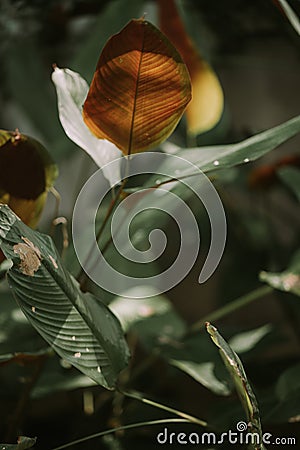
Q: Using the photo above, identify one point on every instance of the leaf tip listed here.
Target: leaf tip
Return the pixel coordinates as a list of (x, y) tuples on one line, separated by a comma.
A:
[(208, 326)]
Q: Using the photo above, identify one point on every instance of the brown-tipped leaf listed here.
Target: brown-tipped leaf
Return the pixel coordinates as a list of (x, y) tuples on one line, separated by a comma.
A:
[(140, 89)]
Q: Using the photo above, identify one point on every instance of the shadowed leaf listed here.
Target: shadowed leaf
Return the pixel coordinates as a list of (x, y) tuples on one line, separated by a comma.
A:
[(245, 341), (153, 319), (140, 89), (24, 358), (23, 443), (197, 358), (291, 177), (27, 172)]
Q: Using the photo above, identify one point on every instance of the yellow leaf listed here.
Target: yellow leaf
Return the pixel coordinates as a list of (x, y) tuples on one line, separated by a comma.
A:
[(206, 108)]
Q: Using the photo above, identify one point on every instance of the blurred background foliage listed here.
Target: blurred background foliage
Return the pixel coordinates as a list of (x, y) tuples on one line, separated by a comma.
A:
[(255, 53)]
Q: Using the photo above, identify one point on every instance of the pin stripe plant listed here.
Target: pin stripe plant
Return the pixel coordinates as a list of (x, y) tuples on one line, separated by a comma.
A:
[(140, 90)]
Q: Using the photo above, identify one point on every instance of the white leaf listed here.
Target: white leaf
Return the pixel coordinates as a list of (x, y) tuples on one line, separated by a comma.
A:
[(71, 91)]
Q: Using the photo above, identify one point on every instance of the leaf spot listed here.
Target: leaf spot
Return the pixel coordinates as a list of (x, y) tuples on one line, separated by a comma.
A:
[(246, 160), (98, 369), (30, 257), (216, 163), (33, 309), (73, 338), (77, 355)]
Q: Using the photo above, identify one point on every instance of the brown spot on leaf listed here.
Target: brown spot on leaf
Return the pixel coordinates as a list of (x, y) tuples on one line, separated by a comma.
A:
[(30, 257)]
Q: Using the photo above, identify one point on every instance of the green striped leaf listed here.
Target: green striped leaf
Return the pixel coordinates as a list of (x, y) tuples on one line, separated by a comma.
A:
[(79, 327)]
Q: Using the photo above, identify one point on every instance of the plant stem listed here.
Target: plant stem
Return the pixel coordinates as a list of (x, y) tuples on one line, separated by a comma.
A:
[(188, 417), (82, 276), (200, 324), (229, 308), (124, 427)]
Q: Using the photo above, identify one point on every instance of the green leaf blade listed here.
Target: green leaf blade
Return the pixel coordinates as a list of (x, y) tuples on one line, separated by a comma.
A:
[(81, 329), (226, 156), (286, 281), (243, 388)]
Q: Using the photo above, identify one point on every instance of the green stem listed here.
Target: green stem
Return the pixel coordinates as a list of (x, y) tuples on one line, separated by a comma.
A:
[(200, 324), (187, 417), (82, 276), (229, 308), (124, 427)]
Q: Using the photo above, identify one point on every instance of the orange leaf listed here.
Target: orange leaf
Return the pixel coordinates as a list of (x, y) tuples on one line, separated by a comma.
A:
[(206, 107), (140, 89)]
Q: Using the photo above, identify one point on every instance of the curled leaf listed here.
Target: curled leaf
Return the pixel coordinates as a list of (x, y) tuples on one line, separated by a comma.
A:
[(139, 91), (243, 387)]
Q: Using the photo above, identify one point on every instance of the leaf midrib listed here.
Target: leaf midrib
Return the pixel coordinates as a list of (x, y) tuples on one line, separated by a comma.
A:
[(136, 93)]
